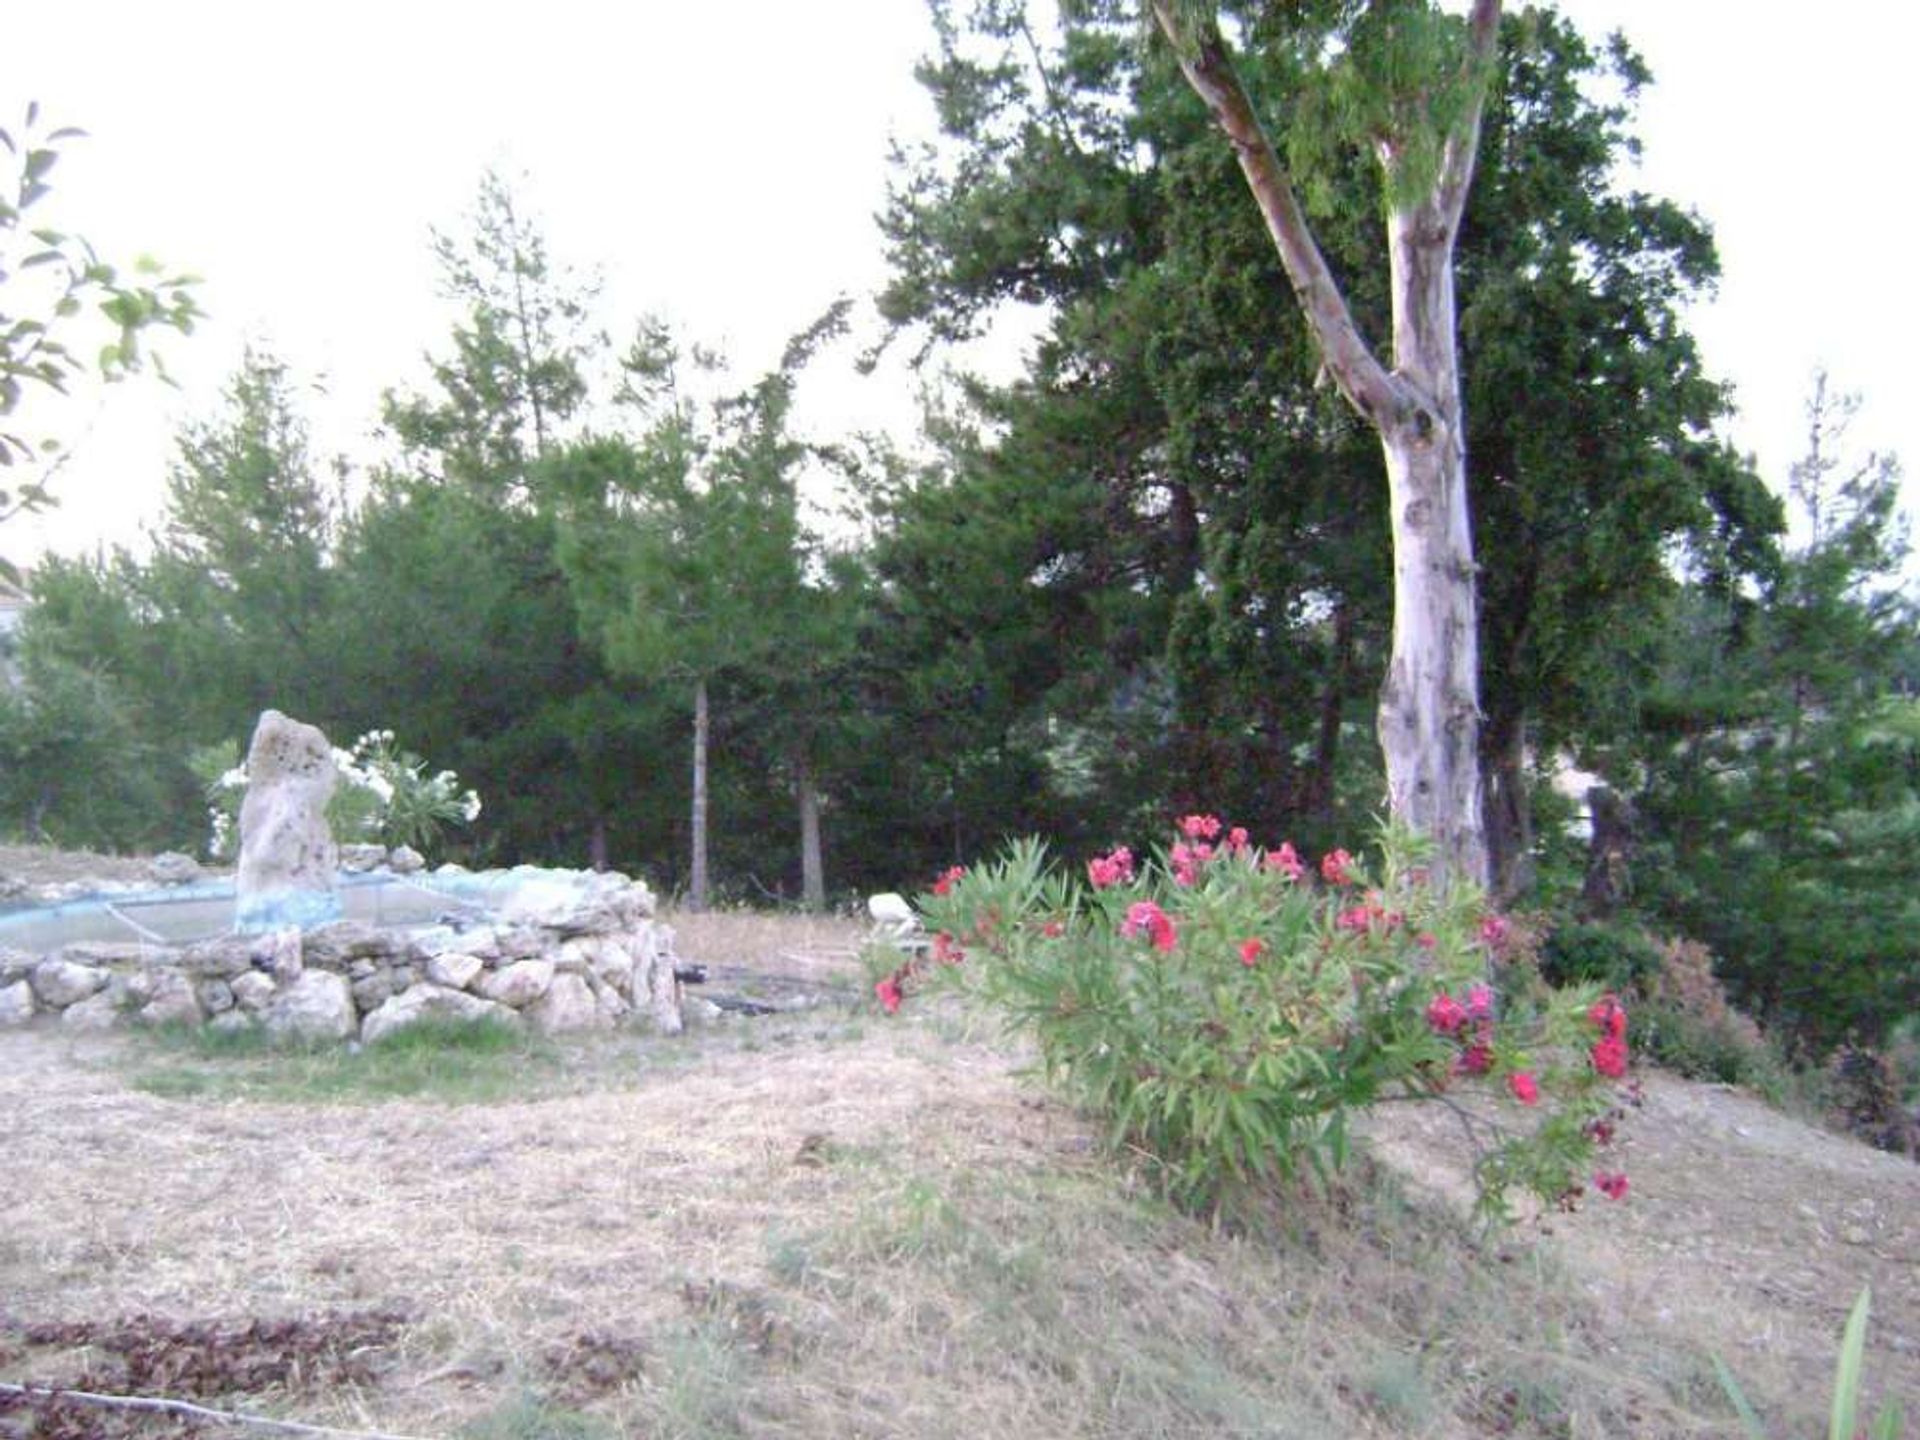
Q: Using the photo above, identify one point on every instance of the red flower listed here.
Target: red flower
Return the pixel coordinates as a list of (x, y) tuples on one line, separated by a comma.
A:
[(945, 883), (1493, 932), (1333, 866), (1358, 918), (1200, 827), (1053, 929), (1286, 860), (1445, 1014), (1479, 1002), (1111, 869), (888, 991), (1237, 839), (946, 951), (1427, 940), (1609, 1056), (1251, 951), (1524, 1087), (1147, 916), (1611, 1016), (1600, 1131), (1476, 1059), (1612, 1184)]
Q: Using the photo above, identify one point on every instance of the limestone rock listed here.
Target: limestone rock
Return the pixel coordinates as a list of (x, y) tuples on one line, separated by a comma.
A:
[(613, 1005), (287, 854), (136, 989), (518, 984), (253, 991), (232, 1020), (454, 970), (422, 1002), (220, 959), (16, 1004), (280, 955), (14, 964), (110, 952), (373, 989), (337, 945), (578, 902), (317, 1006), (216, 996), (405, 860), (95, 1013), (173, 1002), (170, 867), (60, 983), (567, 1005), (359, 859)]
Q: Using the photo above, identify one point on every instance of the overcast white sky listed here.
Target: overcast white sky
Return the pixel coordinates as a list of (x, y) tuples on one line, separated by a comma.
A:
[(722, 163)]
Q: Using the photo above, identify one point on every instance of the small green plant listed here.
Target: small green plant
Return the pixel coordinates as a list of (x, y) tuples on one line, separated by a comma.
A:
[(1843, 1417), (1227, 1012)]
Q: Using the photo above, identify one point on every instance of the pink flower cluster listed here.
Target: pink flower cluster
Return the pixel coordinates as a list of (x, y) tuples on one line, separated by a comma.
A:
[(1469, 1019), (1145, 917), (1113, 868), (1609, 1052)]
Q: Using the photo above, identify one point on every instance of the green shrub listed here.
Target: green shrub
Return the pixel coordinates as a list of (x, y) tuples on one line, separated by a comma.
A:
[(1227, 1014), (1617, 956)]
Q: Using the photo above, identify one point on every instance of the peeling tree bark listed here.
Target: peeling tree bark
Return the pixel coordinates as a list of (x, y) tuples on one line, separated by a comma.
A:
[(813, 874), (1429, 714)]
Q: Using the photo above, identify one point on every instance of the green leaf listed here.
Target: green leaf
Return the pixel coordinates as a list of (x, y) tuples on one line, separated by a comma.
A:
[(1846, 1378), (1749, 1421)]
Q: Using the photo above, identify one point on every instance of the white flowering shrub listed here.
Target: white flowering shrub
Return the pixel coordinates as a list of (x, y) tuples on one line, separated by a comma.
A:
[(385, 796)]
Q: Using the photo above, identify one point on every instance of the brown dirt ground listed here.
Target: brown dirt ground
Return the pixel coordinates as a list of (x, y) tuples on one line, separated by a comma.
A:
[(505, 1227)]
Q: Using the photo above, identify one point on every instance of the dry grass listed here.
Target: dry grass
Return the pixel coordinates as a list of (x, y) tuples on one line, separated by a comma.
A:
[(821, 1224)]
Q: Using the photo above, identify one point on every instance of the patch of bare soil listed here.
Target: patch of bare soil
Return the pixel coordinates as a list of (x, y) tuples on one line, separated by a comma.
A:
[(1745, 1231)]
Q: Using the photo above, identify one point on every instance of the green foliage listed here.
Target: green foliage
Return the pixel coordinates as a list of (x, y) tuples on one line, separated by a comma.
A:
[(1782, 792), (1842, 1424), (1615, 956), (1225, 1016), (48, 280)]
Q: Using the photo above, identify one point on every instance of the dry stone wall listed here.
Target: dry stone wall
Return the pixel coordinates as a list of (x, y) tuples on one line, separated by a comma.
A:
[(566, 951)]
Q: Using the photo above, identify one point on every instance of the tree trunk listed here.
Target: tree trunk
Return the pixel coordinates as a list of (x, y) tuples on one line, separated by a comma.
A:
[(597, 845), (697, 883), (813, 875), (1509, 814), (1430, 703), (1429, 706)]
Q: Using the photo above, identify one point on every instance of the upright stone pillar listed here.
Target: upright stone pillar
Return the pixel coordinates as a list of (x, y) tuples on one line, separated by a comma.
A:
[(288, 859)]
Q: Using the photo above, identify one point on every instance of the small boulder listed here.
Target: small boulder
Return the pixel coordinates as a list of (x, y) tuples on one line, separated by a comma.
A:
[(372, 990), (98, 1012), (16, 1004), (454, 970), (359, 859), (174, 1002), (221, 958), (317, 1006), (567, 1005), (422, 1002), (170, 867), (216, 996), (405, 860), (60, 983), (253, 991), (518, 984)]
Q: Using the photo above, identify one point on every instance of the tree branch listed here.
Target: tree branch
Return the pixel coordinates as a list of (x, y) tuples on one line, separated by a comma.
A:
[(161, 1405), (1203, 58), (1457, 158)]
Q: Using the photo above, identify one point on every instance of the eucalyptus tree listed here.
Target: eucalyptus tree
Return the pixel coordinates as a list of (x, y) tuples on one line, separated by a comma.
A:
[(1183, 469)]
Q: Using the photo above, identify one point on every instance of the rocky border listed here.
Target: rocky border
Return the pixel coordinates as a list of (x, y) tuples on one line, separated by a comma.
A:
[(569, 951)]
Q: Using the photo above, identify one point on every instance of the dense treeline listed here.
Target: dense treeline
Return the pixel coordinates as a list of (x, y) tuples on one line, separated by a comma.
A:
[(1148, 577)]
